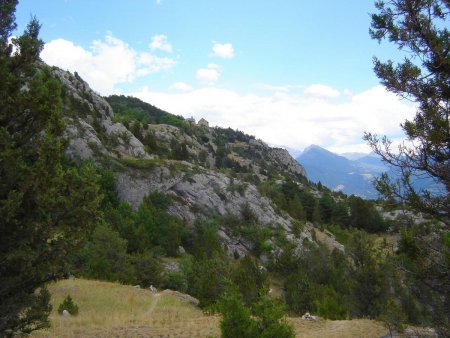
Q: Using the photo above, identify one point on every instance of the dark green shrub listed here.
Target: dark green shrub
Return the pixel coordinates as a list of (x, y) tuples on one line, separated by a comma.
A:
[(330, 305), (237, 321), (236, 318), (175, 280), (69, 306)]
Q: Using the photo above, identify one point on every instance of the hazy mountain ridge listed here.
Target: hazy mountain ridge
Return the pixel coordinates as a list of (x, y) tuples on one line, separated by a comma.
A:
[(341, 173), (337, 172)]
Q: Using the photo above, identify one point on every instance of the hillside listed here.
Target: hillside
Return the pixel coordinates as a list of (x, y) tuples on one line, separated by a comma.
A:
[(210, 212), (106, 201), (206, 172), (108, 309)]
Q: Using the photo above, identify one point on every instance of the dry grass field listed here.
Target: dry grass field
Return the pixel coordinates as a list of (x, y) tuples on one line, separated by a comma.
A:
[(114, 310)]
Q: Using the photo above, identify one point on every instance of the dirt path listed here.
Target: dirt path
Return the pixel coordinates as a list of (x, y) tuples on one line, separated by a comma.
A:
[(153, 304)]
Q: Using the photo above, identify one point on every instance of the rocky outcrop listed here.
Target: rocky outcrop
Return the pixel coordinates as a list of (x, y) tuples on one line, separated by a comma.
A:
[(83, 94), (199, 193), (283, 159), (278, 158), (182, 296), (85, 141)]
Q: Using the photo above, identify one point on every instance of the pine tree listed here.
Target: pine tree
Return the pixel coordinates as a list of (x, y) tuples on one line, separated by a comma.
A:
[(46, 205), (420, 28)]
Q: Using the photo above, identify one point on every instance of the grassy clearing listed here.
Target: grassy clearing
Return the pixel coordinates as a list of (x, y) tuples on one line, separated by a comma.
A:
[(114, 310)]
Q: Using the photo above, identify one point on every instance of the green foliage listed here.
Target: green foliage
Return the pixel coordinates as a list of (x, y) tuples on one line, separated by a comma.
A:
[(179, 150), (175, 280), (363, 215), (236, 318), (105, 256), (393, 316), (420, 28), (315, 279), (238, 322), (46, 205), (7, 24), (209, 278), (148, 227), (424, 253), (370, 273), (298, 294), (204, 242), (270, 318), (130, 109), (148, 269), (162, 229), (330, 304), (251, 280), (68, 305)]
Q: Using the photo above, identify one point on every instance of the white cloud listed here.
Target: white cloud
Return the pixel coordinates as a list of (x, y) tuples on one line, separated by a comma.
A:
[(160, 42), (209, 74), (321, 91), (107, 63), (181, 86), (292, 119), (225, 51), (278, 88)]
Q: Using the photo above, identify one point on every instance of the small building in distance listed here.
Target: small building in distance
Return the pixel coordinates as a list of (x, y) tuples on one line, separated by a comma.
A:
[(203, 123), (190, 120)]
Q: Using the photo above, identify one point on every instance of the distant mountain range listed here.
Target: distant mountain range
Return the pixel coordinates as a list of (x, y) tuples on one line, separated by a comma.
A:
[(351, 173)]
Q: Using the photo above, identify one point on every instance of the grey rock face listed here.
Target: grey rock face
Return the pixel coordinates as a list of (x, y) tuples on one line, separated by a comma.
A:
[(127, 143), (84, 139), (81, 91), (201, 193), (285, 160), (207, 192)]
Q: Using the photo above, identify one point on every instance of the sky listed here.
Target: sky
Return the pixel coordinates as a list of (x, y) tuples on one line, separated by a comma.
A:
[(291, 72)]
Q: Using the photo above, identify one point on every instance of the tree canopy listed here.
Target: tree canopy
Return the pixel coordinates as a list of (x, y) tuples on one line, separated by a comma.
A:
[(420, 28), (46, 203)]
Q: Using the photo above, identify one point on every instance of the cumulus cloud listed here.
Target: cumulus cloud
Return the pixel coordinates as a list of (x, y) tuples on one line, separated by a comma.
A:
[(292, 119), (225, 51), (209, 74), (181, 86), (106, 63), (160, 42), (321, 91)]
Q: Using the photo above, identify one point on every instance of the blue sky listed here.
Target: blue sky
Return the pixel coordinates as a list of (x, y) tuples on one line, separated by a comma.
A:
[(289, 72)]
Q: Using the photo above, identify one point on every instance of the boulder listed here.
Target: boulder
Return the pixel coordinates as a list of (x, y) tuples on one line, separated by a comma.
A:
[(308, 316), (183, 297)]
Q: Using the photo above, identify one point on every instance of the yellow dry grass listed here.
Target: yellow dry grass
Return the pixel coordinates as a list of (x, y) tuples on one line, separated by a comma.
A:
[(114, 310), (338, 328)]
